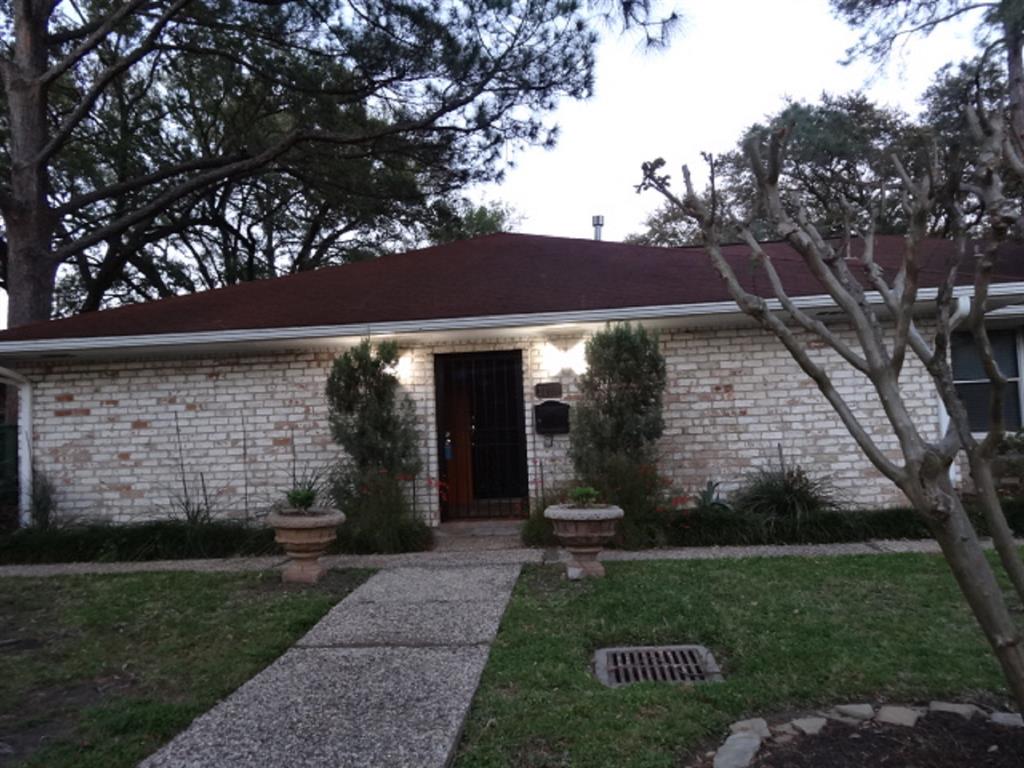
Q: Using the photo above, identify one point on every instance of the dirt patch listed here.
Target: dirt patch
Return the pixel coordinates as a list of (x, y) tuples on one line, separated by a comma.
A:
[(937, 741), (336, 583), (54, 714), (72, 648)]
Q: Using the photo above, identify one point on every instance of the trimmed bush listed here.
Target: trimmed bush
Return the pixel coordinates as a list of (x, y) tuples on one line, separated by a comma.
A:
[(375, 423), (732, 527), (162, 540), (618, 416), (370, 417), (379, 520), (615, 427), (537, 531)]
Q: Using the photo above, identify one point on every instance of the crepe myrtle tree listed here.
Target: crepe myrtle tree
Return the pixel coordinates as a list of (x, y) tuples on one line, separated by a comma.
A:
[(887, 335), (981, 171)]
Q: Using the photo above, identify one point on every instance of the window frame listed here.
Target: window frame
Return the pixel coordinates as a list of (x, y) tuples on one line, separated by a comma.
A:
[(1018, 338)]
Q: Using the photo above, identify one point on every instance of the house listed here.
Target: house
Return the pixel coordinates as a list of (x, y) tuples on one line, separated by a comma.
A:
[(119, 407)]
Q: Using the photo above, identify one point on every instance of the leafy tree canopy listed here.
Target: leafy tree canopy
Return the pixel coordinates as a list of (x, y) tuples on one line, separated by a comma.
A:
[(155, 146), (462, 220), (844, 148)]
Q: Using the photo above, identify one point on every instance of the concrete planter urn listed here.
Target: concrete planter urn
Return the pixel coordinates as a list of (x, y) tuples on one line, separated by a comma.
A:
[(583, 531), (305, 537)]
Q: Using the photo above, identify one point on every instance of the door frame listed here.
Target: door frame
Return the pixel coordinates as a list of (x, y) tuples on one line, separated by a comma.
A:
[(442, 365)]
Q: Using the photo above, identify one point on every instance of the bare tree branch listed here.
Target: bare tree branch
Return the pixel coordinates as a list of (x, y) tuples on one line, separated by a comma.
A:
[(103, 81), (100, 31), (804, 320)]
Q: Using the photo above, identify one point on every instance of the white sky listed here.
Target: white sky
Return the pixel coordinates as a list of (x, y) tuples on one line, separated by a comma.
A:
[(731, 63)]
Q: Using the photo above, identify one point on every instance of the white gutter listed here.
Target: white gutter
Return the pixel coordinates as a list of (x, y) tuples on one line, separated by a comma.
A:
[(24, 443), (481, 322)]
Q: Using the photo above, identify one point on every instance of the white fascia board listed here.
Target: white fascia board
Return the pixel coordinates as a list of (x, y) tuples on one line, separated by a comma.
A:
[(723, 309)]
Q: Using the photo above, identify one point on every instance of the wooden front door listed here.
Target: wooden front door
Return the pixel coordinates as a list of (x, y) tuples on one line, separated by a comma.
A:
[(481, 435)]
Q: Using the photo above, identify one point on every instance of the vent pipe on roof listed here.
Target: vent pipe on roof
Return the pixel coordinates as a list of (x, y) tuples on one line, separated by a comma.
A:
[(598, 222)]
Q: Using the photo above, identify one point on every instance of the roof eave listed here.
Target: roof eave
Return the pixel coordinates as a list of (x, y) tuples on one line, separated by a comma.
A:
[(1000, 294)]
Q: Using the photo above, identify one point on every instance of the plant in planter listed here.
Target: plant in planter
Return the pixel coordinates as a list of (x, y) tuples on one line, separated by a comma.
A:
[(304, 530), (584, 526)]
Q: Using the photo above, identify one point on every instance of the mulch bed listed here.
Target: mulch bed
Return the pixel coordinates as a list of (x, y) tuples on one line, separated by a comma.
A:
[(937, 741)]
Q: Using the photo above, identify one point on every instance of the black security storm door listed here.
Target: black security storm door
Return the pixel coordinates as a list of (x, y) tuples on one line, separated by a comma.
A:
[(481, 435)]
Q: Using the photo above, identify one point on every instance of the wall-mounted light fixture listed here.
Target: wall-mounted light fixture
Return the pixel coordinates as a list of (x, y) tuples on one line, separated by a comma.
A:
[(557, 358), (403, 369)]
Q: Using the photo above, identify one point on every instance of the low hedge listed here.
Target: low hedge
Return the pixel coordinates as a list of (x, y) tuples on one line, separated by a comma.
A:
[(160, 540), (178, 540), (727, 527)]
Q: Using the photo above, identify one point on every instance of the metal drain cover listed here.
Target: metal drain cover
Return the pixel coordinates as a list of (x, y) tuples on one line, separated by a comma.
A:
[(677, 664)]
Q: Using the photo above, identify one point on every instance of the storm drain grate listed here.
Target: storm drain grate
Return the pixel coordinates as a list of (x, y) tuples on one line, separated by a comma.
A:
[(677, 664)]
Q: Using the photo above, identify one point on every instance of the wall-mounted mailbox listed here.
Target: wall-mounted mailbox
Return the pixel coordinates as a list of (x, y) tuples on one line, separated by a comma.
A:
[(548, 390), (551, 418)]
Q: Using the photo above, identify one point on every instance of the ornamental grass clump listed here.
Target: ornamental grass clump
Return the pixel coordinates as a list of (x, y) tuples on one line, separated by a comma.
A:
[(374, 421), (786, 496)]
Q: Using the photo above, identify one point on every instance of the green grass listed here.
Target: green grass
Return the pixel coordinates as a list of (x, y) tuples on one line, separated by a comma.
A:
[(102, 670), (790, 633)]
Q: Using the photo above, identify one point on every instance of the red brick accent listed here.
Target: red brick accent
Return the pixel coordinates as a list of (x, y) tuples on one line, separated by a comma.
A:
[(66, 397), (109, 403), (140, 424), (282, 441), (192, 407), (126, 491), (72, 412), (124, 455)]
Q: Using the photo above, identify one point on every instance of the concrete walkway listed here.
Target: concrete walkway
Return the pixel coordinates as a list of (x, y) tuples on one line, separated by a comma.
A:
[(385, 679), (461, 558)]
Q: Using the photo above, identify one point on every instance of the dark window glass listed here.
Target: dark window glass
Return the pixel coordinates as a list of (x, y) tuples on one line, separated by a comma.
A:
[(972, 383), (967, 361)]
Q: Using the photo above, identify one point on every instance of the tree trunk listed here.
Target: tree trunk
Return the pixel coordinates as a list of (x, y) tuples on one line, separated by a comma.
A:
[(31, 273), (1002, 536), (962, 550), (1015, 76), (29, 221)]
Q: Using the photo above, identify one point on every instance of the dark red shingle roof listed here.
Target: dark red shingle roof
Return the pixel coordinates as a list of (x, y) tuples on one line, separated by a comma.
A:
[(499, 274)]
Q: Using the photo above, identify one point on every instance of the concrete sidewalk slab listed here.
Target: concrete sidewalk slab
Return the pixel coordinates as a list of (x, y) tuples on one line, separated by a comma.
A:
[(337, 707), (385, 679), (411, 624), (421, 585)]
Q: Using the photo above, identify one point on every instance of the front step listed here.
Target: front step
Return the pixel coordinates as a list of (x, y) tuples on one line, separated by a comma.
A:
[(477, 535)]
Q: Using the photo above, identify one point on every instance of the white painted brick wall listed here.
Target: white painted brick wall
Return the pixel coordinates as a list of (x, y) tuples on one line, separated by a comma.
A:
[(734, 396), (105, 432)]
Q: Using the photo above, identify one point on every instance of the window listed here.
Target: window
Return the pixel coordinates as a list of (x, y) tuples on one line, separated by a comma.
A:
[(973, 385)]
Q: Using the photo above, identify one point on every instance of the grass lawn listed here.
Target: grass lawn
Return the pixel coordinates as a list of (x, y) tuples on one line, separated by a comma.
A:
[(790, 634), (99, 671)]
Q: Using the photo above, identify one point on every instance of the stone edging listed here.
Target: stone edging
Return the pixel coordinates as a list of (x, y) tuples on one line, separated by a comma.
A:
[(747, 736)]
